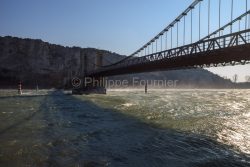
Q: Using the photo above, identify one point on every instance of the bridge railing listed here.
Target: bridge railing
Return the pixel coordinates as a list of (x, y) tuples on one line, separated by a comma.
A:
[(230, 40)]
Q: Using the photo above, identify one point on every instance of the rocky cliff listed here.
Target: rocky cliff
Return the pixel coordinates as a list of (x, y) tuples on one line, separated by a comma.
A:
[(35, 62)]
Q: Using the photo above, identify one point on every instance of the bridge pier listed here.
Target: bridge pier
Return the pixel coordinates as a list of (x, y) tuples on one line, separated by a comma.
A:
[(90, 84)]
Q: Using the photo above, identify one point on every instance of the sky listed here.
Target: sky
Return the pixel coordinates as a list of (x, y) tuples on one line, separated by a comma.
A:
[(120, 26)]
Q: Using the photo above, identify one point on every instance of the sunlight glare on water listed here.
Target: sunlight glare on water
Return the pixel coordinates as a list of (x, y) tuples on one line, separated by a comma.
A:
[(221, 114)]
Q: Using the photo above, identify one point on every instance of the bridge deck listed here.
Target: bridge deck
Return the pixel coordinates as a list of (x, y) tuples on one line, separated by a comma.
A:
[(228, 49)]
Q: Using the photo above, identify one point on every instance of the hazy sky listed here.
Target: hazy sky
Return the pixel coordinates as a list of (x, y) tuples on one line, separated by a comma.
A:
[(120, 26)]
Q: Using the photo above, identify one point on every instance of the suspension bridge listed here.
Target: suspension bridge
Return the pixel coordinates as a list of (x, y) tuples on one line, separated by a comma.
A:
[(194, 39)]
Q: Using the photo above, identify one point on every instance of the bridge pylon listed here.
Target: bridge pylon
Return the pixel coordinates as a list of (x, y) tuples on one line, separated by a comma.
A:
[(90, 84)]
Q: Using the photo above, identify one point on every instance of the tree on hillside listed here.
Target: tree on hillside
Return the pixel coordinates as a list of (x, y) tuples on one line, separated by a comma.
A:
[(247, 78), (235, 78), (225, 77)]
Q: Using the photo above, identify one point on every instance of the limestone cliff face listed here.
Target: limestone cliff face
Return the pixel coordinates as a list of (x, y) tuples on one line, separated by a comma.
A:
[(48, 65)]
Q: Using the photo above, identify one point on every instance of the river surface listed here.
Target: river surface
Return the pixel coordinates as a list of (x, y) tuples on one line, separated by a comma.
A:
[(175, 128)]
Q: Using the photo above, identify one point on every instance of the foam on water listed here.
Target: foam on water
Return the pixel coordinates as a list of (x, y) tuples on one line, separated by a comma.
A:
[(222, 110)]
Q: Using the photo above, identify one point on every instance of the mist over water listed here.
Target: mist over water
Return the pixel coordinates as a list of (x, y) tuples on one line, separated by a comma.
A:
[(126, 128)]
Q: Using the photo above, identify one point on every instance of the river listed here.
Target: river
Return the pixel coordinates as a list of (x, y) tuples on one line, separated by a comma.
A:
[(178, 128)]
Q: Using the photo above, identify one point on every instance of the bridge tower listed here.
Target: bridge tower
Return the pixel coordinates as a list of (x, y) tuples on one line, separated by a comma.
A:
[(89, 84), (83, 64), (98, 60), (98, 83)]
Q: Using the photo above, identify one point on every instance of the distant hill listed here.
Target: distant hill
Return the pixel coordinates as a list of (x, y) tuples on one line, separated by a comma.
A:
[(48, 65), (190, 78)]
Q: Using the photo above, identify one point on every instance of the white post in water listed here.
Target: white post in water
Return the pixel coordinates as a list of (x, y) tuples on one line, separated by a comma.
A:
[(20, 88), (37, 86), (146, 88)]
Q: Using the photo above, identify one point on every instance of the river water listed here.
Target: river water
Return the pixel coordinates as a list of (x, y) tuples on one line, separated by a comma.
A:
[(176, 128)]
